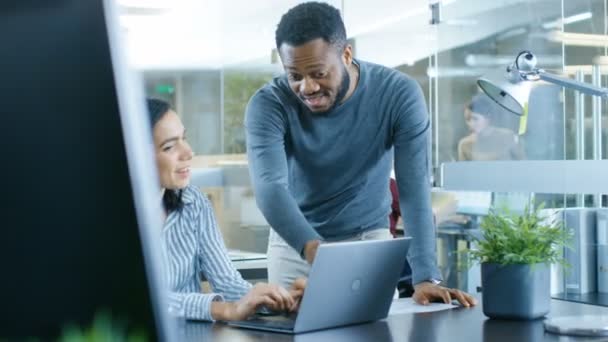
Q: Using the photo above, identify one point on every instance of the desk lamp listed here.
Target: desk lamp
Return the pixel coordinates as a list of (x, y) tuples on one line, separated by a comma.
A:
[(510, 90)]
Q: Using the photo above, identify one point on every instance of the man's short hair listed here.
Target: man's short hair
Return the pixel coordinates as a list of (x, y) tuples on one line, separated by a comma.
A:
[(309, 21)]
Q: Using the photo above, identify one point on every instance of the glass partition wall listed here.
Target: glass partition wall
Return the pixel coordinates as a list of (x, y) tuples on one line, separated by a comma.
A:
[(555, 154), (585, 42), (208, 57)]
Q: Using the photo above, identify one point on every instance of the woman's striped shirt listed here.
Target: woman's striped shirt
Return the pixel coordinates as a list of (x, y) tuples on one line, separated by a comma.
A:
[(192, 244)]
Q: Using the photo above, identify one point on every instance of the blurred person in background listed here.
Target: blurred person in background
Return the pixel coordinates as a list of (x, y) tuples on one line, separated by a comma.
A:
[(486, 141)]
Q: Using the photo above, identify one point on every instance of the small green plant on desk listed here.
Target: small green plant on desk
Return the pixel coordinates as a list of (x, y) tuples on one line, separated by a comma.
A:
[(527, 238), (515, 252)]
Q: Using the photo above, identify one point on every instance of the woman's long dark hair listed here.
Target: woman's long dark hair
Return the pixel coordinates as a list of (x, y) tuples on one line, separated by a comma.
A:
[(172, 199)]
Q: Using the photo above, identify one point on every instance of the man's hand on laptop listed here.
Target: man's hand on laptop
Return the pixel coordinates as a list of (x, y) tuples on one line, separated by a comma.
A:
[(427, 292), (310, 250), (273, 297), (297, 292)]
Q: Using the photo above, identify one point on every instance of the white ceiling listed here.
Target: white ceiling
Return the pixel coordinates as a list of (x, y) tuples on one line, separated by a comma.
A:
[(204, 34)]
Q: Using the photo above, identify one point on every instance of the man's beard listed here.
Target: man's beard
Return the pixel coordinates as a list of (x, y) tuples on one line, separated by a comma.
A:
[(344, 85), (342, 90)]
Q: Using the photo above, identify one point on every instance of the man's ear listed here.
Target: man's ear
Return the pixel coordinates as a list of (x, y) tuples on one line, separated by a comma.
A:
[(347, 55)]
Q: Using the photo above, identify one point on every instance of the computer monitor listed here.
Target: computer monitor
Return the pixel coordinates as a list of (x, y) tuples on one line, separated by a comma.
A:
[(79, 190)]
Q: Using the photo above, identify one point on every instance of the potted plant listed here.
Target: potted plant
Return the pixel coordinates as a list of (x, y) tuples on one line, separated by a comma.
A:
[(515, 252)]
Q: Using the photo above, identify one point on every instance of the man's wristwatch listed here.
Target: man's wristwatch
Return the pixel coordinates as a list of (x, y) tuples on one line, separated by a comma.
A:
[(433, 281)]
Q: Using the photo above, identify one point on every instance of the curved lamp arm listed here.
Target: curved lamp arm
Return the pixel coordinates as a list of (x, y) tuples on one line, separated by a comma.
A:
[(572, 84), (524, 69)]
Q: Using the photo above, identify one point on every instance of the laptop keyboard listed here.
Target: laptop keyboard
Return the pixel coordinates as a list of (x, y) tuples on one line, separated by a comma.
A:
[(275, 322)]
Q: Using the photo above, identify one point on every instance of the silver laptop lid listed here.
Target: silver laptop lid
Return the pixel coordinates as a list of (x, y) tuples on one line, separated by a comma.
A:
[(351, 282)]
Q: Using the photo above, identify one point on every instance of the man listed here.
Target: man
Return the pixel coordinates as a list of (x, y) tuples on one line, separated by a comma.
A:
[(320, 143)]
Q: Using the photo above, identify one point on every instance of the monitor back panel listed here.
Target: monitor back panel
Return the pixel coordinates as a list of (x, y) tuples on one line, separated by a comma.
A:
[(70, 244)]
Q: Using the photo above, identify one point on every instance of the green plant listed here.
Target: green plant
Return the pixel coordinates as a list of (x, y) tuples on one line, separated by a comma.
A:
[(526, 238), (239, 86), (104, 328)]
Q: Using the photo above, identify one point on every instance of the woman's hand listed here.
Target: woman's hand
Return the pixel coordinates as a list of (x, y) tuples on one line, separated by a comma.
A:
[(274, 297), (297, 292)]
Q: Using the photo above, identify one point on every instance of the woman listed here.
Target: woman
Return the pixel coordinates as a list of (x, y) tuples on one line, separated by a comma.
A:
[(486, 141), (191, 241)]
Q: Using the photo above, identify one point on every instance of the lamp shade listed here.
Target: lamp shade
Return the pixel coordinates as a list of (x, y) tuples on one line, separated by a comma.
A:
[(513, 96)]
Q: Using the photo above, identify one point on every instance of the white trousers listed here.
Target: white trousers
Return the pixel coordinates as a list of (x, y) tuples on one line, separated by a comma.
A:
[(285, 263)]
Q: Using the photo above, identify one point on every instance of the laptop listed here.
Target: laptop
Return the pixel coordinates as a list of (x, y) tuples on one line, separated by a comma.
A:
[(80, 210), (349, 283)]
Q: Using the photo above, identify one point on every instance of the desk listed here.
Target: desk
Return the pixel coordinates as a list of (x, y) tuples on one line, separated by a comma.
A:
[(252, 266), (455, 325)]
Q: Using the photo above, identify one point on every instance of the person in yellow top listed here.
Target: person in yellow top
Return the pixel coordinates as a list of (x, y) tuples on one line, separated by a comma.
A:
[(486, 141)]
